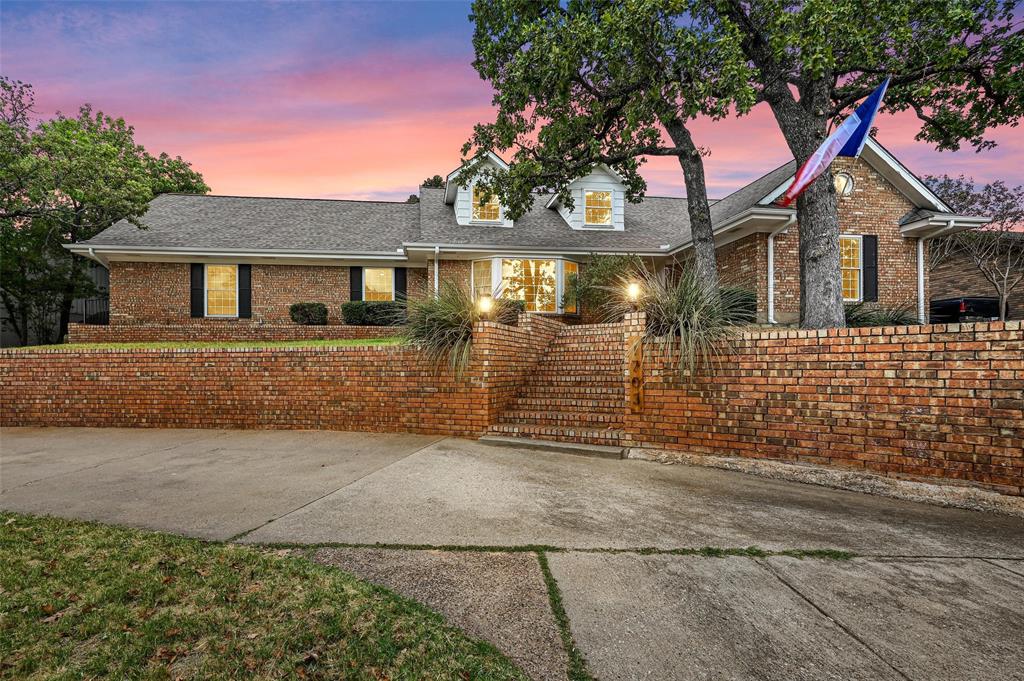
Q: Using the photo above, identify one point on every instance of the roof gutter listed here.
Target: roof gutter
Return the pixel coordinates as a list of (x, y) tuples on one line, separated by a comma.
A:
[(96, 252), (940, 225), (755, 213), (497, 248)]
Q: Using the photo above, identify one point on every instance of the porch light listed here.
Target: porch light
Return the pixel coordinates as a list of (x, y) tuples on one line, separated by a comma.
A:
[(484, 305), (633, 291)]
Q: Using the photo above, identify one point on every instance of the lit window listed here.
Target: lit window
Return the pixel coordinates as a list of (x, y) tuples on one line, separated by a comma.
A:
[(485, 211), (378, 283), (569, 272), (597, 208), (222, 290), (481, 279), (532, 281), (850, 260), (844, 184)]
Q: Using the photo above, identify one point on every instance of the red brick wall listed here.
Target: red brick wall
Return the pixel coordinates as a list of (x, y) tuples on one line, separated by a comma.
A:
[(385, 388), (874, 208), (744, 263), (202, 330), (456, 271), (159, 293), (918, 401)]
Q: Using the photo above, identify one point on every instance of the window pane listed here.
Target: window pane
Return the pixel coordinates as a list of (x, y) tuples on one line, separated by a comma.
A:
[(569, 270), (222, 290), (489, 211), (532, 281), (598, 208), (378, 283), (481, 278), (849, 254)]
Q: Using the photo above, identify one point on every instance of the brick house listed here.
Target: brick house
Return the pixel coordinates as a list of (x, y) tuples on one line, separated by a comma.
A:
[(957, 276), (213, 261)]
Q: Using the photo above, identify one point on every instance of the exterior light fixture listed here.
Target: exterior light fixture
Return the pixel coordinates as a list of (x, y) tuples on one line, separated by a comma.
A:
[(633, 291), (484, 305)]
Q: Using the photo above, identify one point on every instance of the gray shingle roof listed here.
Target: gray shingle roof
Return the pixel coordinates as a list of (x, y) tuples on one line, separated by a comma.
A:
[(648, 226), (747, 197), (234, 222)]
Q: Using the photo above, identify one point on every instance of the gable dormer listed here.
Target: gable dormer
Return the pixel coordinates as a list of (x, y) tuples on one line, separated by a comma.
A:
[(467, 200), (599, 201)]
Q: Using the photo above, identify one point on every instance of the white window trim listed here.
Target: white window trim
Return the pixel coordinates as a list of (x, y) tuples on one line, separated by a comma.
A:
[(472, 203), (206, 291), (860, 259), (393, 291), (496, 282), (611, 214)]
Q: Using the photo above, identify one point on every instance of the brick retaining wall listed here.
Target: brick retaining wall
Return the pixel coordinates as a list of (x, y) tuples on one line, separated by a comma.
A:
[(240, 330), (918, 401), (387, 388)]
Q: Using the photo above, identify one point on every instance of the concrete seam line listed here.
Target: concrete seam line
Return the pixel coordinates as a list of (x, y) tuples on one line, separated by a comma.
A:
[(1003, 567), (849, 632), (240, 535), (117, 459), (577, 667)]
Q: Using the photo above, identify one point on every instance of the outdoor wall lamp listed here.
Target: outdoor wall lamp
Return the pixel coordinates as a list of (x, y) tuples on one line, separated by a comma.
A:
[(633, 291), (484, 305)]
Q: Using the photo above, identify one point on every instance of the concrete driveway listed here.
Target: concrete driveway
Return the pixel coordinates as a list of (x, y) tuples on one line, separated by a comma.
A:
[(934, 592)]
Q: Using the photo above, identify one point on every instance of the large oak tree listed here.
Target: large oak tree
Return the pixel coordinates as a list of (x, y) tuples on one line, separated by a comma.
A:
[(609, 82)]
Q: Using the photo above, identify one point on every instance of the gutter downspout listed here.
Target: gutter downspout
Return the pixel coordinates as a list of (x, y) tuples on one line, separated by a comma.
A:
[(771, 267), (437, 265)]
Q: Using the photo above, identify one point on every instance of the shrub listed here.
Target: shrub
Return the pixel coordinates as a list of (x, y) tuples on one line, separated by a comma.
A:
[(442, 326), (374, 313), (863, 314), (308, 314), (596, 286), (694, 325)]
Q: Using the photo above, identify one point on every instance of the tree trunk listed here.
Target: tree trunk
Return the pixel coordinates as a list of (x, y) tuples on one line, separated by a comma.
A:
[(821, 289), (697, 204)]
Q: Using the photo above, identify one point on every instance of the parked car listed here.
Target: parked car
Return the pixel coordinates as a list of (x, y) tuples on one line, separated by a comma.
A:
[(964, 309)]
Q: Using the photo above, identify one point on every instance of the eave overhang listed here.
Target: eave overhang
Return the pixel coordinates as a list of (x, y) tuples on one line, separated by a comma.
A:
[(104, 253), (941, 224), (750, 221)]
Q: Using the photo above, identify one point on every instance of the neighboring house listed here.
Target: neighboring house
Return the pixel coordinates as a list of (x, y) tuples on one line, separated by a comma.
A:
[(83, 311), (957, 276), (216, 258)]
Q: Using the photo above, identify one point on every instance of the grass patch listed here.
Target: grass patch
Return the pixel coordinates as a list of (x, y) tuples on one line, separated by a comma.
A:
[(198, 345), (87, 600), (577, 670)]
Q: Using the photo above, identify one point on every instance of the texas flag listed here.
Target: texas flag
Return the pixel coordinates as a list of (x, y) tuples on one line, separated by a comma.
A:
[(847, 140)]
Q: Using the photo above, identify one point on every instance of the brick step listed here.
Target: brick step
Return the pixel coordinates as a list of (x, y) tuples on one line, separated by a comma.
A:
[(579, 419), (591, 436), (602, 451), (557, 382), (573, 392), (608, 406), (582, 358)]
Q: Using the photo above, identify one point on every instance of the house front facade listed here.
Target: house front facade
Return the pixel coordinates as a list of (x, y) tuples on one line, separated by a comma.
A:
[(227, 260)]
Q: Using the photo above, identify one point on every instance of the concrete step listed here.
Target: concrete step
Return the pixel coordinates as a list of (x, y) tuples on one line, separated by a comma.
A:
[(580, 449)]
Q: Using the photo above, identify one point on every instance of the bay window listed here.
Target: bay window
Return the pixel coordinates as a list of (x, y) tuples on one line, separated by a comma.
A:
[(539, 282)]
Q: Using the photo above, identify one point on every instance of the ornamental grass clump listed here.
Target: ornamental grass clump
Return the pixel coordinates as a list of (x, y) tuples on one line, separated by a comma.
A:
[(441, 326), (690, 322), (863, 314)]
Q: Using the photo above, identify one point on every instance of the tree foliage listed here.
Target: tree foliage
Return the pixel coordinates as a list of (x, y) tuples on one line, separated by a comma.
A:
[(436, 181), (593, 82), (954, 63), (64, 180), (997, 249)]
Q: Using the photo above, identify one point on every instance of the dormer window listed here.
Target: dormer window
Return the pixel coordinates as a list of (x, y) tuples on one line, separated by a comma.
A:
[(485, 211), (597, 208)]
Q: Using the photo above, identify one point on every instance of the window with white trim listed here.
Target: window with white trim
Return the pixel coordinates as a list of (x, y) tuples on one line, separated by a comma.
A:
[(597, 208), (851, 257), (488, 210), (539, 282), (221, 290), (482, 279), (378, 283)]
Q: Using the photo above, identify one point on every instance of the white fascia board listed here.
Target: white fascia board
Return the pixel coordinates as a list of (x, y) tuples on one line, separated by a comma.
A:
[(879, 158), (771, 217), (177, 251), (941, 225), (485, 248)]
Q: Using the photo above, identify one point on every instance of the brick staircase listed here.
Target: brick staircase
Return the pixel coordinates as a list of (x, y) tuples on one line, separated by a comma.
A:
[(575, 394)]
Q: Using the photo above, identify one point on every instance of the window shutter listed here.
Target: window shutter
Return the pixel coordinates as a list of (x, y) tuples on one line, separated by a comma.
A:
[(355, 283), (869, 243), (400, 283), (245, 291), (198, 286)]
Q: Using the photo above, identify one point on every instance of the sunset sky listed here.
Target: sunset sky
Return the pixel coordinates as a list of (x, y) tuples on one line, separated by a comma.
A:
[(337, 99)]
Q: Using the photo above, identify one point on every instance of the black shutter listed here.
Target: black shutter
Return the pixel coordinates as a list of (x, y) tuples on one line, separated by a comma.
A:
[(355, 283), (870, 247), (245, 291), (198, 275), (400, 283)]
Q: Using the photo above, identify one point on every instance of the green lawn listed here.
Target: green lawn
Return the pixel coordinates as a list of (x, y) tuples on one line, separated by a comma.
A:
[(216, 344), (86, 600)]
